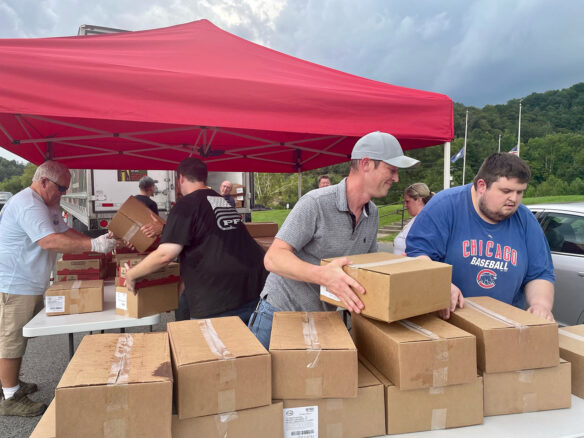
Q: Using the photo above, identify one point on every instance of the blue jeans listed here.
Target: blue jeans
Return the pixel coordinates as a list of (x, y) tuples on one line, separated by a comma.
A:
[(261, 323), (244, 312)]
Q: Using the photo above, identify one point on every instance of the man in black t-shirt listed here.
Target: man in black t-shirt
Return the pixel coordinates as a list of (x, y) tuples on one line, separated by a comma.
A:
[(147, 186), (221, 265)]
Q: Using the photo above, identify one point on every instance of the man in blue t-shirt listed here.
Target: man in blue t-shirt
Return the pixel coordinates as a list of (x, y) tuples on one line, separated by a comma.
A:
[(494, 244)]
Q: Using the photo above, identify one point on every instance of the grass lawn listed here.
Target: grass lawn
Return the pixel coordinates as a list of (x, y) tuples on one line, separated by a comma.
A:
[(553, 199)]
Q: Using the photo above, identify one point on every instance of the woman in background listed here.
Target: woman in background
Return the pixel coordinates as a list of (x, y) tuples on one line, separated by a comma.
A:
[(415, 197)]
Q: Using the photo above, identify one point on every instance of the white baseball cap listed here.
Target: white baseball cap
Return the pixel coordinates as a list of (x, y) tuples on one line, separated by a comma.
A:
[(384, 147)]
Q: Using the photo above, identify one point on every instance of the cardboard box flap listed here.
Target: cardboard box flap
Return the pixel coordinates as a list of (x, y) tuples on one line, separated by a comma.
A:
[(499, 315), (305, 330), (376, 373), (75, 284), (119, 359), (391, 264), (422, 328), (365, 378), (572, 338), (213, 339)]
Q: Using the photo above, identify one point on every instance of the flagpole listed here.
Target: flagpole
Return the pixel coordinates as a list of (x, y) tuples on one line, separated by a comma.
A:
[(519, 129), (464, 147), (499, 150)]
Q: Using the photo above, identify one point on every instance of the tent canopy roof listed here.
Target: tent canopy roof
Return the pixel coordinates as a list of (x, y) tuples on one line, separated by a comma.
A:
[(148, 99)]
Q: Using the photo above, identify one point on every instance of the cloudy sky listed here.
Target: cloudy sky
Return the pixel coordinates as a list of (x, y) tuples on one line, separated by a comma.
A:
[(477, 52)]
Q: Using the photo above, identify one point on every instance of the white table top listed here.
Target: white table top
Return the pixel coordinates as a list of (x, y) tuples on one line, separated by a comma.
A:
[(43, 325), (564, 423)]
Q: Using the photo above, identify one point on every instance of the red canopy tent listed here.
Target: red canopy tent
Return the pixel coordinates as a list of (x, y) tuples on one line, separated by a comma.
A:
[(148, 99)]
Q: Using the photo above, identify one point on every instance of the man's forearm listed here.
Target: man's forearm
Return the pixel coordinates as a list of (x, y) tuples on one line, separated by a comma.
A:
[(152, 263), (287, 264), (68, 242), (540, 293)]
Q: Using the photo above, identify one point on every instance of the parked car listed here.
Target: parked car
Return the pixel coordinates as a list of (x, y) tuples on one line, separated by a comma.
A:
[(4, 196), (563, 226)]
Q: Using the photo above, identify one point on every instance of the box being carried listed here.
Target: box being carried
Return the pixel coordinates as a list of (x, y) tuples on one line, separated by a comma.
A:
[(431, 408), (127, 222), (265, 421), (313, 356), (362, 416), (70, 297), (116, 385), (508, 338), (219, 366), (167, 274), (539, 389), (419, 352), (572, 350), (396, 287)]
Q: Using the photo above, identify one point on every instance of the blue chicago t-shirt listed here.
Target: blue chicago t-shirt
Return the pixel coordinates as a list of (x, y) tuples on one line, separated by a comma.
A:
[(495, 260)]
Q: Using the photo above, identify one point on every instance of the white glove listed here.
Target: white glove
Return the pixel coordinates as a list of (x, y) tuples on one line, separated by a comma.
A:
[(103, 243)]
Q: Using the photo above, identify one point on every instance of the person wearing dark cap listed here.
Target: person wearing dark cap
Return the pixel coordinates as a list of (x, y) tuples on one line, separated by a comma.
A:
[(334, 221), (147, 187)]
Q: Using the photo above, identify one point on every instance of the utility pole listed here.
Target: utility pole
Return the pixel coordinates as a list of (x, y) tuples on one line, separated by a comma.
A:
[(519, 129), (464, 156)]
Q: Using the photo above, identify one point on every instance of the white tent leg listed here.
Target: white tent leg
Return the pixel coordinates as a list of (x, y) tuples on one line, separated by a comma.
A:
[(447, 165)]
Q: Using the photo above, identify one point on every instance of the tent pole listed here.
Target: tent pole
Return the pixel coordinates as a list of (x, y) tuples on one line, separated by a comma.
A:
[(446, 180), (299, 184)]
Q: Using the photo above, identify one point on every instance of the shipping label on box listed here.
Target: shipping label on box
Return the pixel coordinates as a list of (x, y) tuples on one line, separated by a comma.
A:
[(347, 417), (219, 366), (313, 356), (539, 389), (572, 350), (127, 222), (71, 297), (147, 301), (508, 338), (430, 408), (265, 421), (117, 385), (396, 287), (261, 229), (419, 352)]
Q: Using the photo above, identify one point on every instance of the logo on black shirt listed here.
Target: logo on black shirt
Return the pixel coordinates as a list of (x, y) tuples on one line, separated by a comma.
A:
[(227, 217)]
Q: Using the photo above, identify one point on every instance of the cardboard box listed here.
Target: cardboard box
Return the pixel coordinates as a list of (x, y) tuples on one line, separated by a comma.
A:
[(237, 189), (419, 352), (45, 428), (363, 416), (313, 356), (86, 269), (148, 301), (116, 385), (167, 274), (508, 338), (572, 350), (430, 409), (265, 421), (539, 389), (261, 229), (219, 366), (127, 222), (84, 255), (70, 297), (396, 287)]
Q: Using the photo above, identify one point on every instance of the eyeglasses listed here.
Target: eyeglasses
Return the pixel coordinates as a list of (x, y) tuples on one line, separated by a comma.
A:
[(61, 188)]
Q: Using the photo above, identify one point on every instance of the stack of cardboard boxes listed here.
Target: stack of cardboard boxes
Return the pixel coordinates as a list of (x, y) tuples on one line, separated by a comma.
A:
[(518, 355), (572, 350), (156, 292), (83, 266), (238, 194), (315, 372)]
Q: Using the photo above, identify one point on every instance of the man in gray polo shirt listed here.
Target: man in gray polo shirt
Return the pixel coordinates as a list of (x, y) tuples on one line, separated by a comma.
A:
[(333, 221)]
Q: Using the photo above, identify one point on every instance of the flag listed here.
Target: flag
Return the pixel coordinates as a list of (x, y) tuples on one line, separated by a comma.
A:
[(458, 155), (513, 151)]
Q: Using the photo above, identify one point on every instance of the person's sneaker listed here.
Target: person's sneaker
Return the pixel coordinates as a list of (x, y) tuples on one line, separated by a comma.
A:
[(21, 406), (28, 388)]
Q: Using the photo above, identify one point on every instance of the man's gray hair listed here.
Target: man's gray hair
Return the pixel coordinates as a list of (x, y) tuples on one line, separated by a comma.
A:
[(146, 182), (52, 170)]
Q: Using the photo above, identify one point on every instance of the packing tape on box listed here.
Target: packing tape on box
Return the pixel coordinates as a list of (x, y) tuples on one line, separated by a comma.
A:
[(334, 404), (134, 228), (334, 430), (438, 419), (495, 315), (76, 285), (525, 376), (529, 402), (311, 341), (313, 387), (116, 393), (439, 374), (571, 335), (222, 423), (382, 262), (436, 390), (226, 400)]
